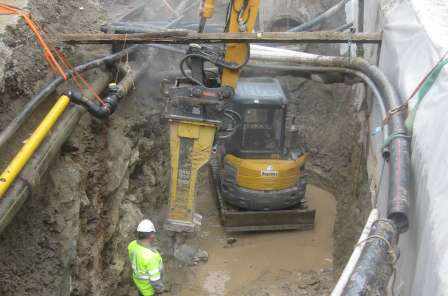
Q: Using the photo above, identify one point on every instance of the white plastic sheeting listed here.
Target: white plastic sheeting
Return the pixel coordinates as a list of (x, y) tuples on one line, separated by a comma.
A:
[(433, 15), (415, 37)]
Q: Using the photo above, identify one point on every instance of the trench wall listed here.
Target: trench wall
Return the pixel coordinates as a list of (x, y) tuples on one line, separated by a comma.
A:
[(414, 40)]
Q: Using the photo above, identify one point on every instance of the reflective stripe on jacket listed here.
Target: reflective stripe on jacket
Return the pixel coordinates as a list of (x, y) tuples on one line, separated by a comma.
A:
[(146, 266)]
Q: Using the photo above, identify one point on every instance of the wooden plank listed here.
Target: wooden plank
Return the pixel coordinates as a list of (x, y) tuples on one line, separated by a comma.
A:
[(185, 37)]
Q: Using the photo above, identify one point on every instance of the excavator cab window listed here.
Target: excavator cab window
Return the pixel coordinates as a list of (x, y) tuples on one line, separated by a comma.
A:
[(261, 104), (262, 129)]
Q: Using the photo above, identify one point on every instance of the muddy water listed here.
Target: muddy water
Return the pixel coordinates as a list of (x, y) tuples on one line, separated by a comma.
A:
[(258, 257)]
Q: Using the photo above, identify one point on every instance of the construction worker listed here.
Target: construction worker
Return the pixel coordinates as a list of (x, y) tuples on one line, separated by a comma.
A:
[(146, 261)]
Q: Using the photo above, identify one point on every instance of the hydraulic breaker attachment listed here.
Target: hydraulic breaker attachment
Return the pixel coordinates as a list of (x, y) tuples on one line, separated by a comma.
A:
[(190, 146), (190, 111)]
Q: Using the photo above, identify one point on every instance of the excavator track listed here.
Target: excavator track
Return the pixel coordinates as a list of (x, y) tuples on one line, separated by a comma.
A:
[(238, 220)]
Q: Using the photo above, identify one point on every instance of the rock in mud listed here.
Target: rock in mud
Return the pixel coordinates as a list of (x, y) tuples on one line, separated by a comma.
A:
[(190, 255)]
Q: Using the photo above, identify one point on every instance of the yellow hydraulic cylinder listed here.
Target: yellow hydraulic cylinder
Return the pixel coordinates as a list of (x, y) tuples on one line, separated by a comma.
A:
[(242, 19), (16, 165)]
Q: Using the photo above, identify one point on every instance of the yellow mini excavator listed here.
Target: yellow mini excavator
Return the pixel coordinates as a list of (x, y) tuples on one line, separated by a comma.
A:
[(238, 124)]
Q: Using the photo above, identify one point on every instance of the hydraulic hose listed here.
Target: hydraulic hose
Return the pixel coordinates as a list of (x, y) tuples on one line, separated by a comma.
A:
[(322, 17), (50, 87)]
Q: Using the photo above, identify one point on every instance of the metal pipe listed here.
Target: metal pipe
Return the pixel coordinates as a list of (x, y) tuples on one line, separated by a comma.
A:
[(16, 165), (359, 247), (375, 266), (322, 17), (399, 159), (50, 87)]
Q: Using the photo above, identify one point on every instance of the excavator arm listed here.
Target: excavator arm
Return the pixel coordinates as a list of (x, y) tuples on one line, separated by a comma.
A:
[(196, 106)]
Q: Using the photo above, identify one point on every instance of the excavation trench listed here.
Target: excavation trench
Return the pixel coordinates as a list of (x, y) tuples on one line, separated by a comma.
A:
[(70, 237), (110, 174)]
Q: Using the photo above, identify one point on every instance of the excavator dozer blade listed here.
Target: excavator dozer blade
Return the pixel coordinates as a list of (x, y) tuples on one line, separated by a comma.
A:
[(237, 220)]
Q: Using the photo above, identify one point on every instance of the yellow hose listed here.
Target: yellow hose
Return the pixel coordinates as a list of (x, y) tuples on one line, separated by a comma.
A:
[(16, 165)]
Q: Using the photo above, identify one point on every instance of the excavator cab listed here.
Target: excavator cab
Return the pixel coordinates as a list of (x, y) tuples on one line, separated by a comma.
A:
[(261, 104)]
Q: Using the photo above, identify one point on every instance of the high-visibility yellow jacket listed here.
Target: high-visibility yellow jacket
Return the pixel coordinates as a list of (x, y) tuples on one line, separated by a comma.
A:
[(147, 267)]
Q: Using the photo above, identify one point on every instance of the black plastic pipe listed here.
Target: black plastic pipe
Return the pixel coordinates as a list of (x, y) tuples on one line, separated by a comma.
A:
[(51, 86), (115, 94)]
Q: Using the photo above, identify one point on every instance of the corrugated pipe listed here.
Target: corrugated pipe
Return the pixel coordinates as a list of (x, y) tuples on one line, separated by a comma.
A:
[(319, 19), (399, 156), (50, 87)]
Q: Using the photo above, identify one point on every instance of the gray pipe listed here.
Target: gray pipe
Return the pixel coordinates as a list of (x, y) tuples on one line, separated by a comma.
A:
[(322, 17), (399, 190), (310, 69)]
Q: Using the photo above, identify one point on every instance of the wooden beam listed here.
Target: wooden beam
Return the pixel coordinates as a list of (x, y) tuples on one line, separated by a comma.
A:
[(185, 37)]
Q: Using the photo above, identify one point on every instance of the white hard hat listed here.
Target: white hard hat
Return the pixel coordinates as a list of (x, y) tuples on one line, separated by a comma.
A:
[(146, 226)]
